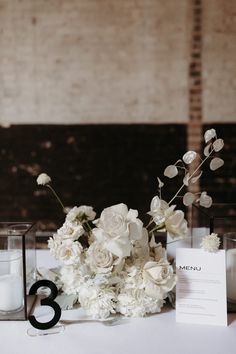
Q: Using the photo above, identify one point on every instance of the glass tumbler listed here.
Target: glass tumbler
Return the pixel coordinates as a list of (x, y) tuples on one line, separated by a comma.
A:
[(230, 249)]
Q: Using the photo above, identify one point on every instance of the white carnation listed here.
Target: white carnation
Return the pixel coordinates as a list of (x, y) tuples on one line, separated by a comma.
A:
[(97, 300), (133, 301), (43, 179), (136, 303), (71, 278), (210, 243)]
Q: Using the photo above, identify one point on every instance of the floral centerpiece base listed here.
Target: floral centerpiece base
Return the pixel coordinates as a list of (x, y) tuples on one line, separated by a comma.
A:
[(121, 268)]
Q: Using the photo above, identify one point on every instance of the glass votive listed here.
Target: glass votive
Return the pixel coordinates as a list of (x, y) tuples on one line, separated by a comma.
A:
[(11, 282), (15, 242), (230, 248)]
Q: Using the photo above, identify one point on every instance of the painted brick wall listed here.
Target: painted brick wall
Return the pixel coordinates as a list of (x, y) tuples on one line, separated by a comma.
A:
[(96, 61), (108, 61)]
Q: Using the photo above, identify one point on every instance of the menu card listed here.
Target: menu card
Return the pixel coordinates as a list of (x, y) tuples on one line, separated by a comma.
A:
[(201, 287)]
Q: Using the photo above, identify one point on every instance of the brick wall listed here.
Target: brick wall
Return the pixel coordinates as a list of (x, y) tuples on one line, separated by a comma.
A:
[(112, 62)]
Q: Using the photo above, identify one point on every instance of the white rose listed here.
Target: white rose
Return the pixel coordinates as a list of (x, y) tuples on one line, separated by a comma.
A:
[(70, 231), (69, 252), (99, 258), (118, 226), (43, 179), (158, 279)]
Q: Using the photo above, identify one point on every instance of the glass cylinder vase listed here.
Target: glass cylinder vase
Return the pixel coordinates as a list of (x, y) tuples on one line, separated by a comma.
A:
[(11, 282), (17, 269), (230, 249)]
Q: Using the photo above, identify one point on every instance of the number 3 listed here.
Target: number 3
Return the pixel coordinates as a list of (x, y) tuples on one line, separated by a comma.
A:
[(46, 302)]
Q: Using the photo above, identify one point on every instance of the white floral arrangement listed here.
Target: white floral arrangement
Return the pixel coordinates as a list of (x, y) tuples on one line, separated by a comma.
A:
[(122, 269)]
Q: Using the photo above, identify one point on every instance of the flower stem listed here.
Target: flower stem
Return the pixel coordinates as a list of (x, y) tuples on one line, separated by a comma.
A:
[(196, 170), (55, 194)]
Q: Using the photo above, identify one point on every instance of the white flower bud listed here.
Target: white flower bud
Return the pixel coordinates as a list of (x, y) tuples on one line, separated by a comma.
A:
[(43, 179)]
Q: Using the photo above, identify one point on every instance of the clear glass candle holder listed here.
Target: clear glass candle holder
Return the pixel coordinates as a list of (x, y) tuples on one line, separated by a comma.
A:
[(17, 270), (11, 282), (230, 249)]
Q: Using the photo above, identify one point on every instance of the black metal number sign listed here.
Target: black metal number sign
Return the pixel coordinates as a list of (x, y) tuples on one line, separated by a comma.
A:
[(46, 302)]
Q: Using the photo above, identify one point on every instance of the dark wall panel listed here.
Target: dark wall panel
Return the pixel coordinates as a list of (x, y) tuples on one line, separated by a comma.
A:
[(97, 165)]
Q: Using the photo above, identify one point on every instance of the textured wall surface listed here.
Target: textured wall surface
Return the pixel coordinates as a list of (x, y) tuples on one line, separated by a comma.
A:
[(76, 62), (80, 61), (219, 63)]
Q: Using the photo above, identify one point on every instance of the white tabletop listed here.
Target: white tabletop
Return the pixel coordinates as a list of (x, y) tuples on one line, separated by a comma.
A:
[(156, 334)]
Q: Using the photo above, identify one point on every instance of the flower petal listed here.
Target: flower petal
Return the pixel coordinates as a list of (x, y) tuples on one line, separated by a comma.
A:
[(209, 134), (216, 163), (218, 144), (189, 157), (121, 209), (207, 150), (205, 200), (188, 198), (160, 183), (171, 171), (194, 179), (186, 179), (155, 203), (132, 215)]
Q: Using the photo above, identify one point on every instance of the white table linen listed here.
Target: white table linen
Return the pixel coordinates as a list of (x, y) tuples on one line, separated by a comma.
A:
[(156, 334)]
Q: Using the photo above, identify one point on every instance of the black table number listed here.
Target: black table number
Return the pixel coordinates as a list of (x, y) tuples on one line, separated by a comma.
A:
[(48, 301)]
